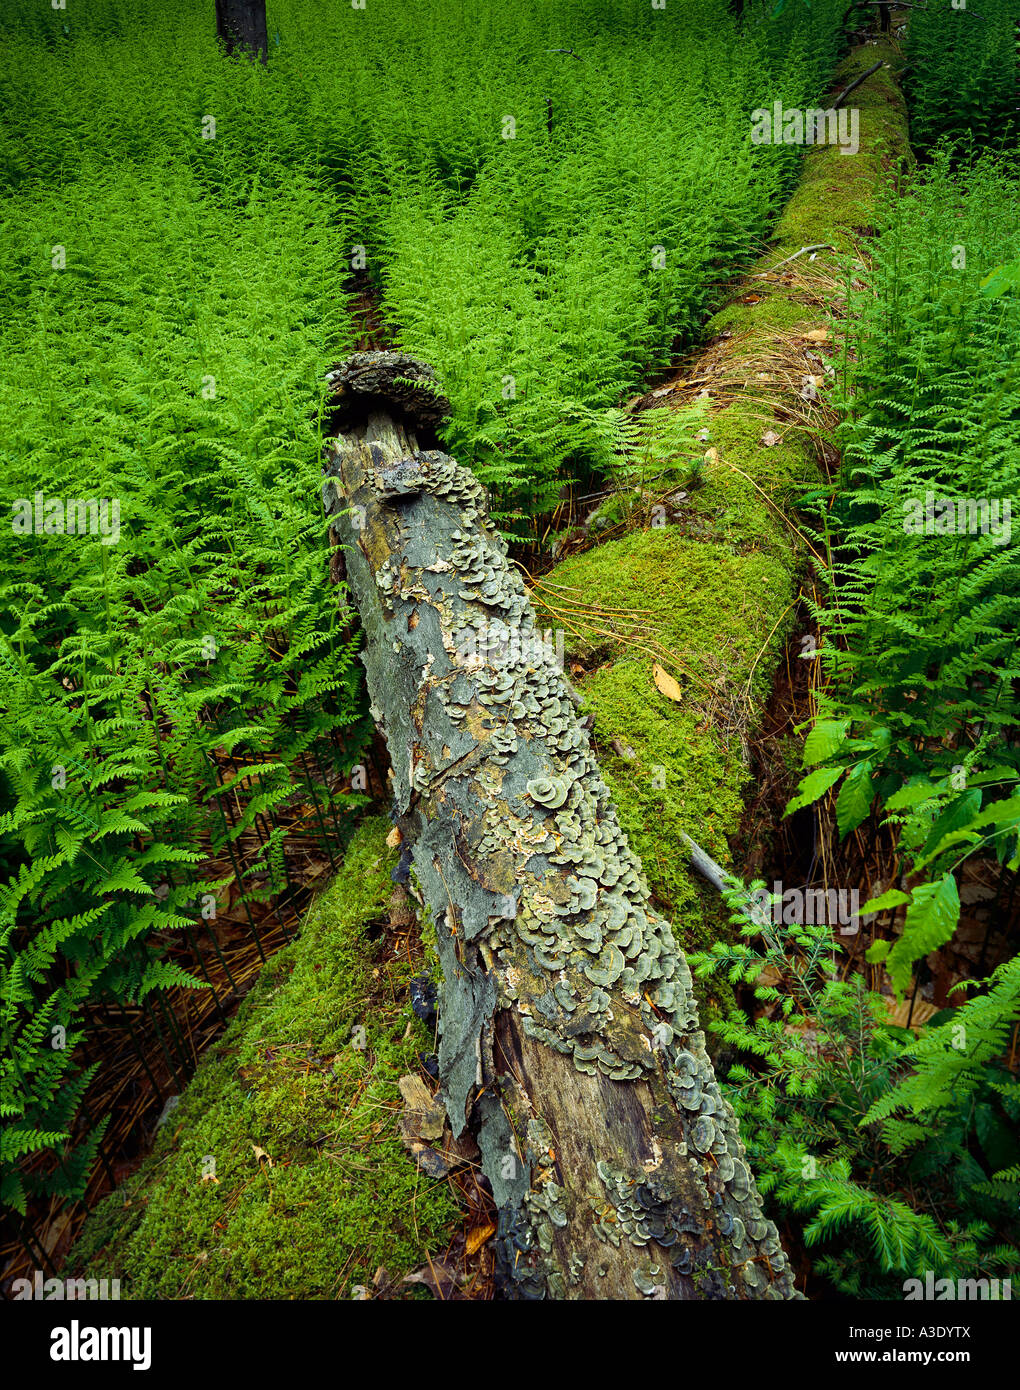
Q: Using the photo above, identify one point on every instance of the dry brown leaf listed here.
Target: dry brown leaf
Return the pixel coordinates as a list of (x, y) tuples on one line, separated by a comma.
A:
[(667, 684), (423, 1117), (402, 913), (898, 1013), (417, 1095), (55, 1231), (440, 1278), (460, 1151), (478, 1235), (770, 438)]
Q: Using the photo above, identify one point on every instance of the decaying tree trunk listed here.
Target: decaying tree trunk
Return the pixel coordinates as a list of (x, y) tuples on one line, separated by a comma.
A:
[(242, 24), (569, 1032)]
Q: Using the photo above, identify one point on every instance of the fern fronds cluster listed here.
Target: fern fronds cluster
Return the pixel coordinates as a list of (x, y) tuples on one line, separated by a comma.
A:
[(893, 1154), (168, 365), (919, 719), (961, 74), (544, 226)]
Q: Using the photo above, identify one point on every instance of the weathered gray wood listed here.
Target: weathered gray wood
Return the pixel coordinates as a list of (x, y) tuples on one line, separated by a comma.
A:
[(242, 24), (569, 1031)]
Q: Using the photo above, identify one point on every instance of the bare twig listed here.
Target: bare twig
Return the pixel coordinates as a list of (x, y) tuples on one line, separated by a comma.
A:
[(819, 246), (856, 83), (705, 865)]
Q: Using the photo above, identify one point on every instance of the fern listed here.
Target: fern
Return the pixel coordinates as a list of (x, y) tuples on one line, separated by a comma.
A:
[(134, 675), (893, 1154), (918, 718)]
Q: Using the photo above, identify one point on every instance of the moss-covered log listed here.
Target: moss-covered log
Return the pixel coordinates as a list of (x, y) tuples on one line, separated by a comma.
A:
[(710, 566), (281, 1173), (570, 1035)]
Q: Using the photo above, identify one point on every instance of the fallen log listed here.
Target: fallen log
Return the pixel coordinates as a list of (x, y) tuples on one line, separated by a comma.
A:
[(569, 1030)]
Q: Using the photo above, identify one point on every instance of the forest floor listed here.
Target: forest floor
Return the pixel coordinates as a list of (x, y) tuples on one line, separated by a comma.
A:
[(679, 598)]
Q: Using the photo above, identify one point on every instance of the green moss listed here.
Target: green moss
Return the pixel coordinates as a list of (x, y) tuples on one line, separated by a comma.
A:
[(708, 605), (773, 312), (745, 491), (736, 430), (834, 201), (683, 777), (341, 1195), (835, 198), (704, 604)]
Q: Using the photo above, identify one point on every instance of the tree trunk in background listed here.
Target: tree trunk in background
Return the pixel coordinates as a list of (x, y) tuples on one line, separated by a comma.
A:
[(569, 1031), (242, 24)]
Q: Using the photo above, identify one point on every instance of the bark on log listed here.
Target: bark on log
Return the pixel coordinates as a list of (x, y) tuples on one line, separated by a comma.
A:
[(242, 24), (569, 1031)]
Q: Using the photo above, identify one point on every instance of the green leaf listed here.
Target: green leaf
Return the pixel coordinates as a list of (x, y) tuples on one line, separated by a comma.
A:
[(930, 922), (814, 785), (955, 837), (1001, 279), (1004, 812), (854, 800), (825, 738), (892, 897), (912, 794), (956, 815)]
